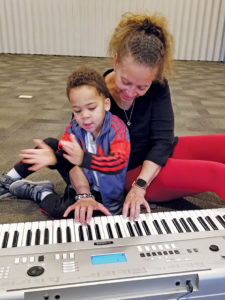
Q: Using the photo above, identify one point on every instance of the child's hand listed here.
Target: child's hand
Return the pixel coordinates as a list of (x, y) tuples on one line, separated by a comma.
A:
[(74, 152), (40, 157), (83, 210)]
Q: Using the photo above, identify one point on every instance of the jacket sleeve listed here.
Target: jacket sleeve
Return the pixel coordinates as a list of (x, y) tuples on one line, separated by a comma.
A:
[(162, 126), (117, 158), (61, 161)]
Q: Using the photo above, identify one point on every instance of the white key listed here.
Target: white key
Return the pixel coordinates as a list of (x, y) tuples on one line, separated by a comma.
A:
[(70, 224), (84, 227), (12, 229), (157, 218), (132, 226), (56, 225), (150, 219), (191, 214), (181, 214), (63, 225), (197, 215), (174, 215), (168, 218), (97, 221), (139, 221), (76, 230), (206, 213), (42, 225), (213, 217), (20, 229), (49, 226), (5, 228), (144, 217), (219, 212), (27, 226), (34, 227), (124, 225), (0, 228), (104, 221), (92, 226), (111, 221), (118, 220)]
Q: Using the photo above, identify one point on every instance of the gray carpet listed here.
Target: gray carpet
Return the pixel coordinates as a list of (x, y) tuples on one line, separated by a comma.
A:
[(198, 92)]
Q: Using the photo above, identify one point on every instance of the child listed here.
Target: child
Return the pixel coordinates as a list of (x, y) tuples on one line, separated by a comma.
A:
[(92, 155)]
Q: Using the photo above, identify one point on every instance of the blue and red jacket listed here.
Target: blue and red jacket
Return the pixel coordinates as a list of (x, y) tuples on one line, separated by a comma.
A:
[(110, 162)]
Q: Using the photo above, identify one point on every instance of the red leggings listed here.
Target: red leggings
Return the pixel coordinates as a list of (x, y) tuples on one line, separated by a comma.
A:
[(197, 165)]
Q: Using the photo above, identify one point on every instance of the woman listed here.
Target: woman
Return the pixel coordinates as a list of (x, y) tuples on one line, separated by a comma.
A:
[(162, 167)]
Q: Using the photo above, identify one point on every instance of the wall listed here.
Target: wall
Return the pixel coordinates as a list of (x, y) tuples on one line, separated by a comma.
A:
[(83, 27)]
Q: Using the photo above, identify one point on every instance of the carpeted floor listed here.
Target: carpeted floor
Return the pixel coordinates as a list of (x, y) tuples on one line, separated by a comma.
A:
[(198, 95)]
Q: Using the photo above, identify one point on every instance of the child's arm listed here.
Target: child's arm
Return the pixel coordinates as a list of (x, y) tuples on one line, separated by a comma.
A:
[(40, 157), (83, 208)]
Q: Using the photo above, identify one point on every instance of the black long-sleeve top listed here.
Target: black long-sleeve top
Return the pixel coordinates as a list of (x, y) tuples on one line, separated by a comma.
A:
[(152, 125)]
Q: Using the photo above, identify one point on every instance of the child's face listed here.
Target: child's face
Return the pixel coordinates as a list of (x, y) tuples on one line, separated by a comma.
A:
[(89, 108)]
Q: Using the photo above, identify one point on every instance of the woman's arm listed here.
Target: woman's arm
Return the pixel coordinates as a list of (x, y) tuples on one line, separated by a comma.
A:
[(136, 196)]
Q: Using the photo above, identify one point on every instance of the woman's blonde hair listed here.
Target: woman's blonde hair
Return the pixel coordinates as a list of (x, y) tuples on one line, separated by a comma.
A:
[(147, 39)]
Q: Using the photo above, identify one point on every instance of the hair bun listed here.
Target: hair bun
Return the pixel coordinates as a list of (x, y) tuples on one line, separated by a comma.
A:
[(150, 28)]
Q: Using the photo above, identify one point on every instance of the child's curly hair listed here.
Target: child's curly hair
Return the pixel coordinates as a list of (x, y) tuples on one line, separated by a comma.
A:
[(87, 76), (147, 39)]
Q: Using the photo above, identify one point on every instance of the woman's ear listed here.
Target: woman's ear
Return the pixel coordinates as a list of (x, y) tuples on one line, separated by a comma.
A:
[(107, 104)]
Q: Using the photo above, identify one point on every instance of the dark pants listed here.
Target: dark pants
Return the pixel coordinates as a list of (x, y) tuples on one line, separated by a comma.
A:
[(53, 204)]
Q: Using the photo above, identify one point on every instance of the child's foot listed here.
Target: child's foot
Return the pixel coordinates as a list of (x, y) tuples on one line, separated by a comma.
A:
[(25, 189), (5, 182)]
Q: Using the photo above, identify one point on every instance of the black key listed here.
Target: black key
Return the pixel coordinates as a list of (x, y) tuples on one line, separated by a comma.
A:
[(211, 223), (46, 236), (109, 230), (59, 235), (130, 229), (193, 226), (37, 237), (97, 232), (15, 238), (220, 219), (29, 237), (177, 225), (138, 228), (145, 226), (156, 224), (118, 230), (185, 225), (203, 223), (81, 234), (89, 233), (68, 234), (165, 225), (5, 240)]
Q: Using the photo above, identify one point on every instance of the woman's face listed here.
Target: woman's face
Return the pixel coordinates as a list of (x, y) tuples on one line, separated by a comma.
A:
[(132, 79)]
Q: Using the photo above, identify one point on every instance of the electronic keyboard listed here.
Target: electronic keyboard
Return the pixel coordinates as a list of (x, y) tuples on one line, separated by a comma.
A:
[(165, 255)]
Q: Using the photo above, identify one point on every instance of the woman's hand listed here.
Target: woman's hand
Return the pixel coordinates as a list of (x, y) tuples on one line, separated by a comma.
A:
[(134, 199), (83, 210), (40, 157), (74, 152)]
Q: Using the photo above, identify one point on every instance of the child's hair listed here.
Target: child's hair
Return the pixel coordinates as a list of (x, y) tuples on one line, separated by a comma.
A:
[(147, 39), (87, 76)]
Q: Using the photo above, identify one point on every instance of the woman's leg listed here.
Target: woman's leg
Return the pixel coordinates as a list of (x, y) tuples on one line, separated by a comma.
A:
[(197, 165), (202, 147)]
